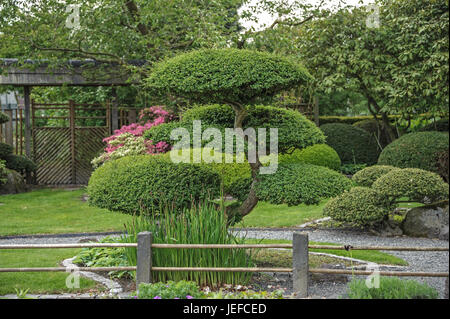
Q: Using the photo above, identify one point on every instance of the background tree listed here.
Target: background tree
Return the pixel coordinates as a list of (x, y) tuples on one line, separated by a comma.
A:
[(234, 77)]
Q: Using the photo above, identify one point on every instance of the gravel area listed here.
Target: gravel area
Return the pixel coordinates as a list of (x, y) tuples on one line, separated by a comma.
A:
[(418, 261)]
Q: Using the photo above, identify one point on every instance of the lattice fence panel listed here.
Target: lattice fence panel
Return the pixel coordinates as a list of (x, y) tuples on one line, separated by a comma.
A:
[(88, 144), (52, 154)]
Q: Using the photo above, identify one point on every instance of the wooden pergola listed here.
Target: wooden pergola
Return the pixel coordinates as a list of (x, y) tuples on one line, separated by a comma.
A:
[(30, 73)]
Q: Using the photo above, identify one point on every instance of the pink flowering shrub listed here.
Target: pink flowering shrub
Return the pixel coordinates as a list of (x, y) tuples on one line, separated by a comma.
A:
[(128, 139)]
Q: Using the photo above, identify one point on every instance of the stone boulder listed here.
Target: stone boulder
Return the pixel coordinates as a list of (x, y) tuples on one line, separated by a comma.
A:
[(427, 221), (14, 184)]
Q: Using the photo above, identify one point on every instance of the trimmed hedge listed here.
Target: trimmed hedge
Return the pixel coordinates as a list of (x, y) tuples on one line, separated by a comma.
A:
[(229, 173), (294, 129), (367, 176), (415, 150), (5, 150), (319, 154), (138, 184), (353, 144), (3, 118), (20, 163), (415, 184), (439, 125), (294, 184), (325, 119), (361, 207), (371, 127), (217, 75)]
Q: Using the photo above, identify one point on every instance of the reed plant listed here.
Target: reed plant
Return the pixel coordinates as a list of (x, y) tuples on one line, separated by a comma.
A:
[(202, 223)]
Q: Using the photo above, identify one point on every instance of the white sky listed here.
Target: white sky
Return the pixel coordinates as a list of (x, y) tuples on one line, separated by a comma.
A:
[(265, 19)]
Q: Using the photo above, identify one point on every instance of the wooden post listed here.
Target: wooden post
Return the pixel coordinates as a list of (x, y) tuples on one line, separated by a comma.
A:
[(27, 103), (114, 112), (300, 266), (144, 258), (72, 140)]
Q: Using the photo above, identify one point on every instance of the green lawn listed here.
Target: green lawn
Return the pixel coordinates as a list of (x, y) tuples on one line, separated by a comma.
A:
[(52, 211), (366, 255), (269, 215), (38, 282)]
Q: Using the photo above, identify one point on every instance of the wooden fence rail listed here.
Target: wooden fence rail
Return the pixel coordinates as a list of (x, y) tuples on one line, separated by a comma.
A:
[(300, 266)]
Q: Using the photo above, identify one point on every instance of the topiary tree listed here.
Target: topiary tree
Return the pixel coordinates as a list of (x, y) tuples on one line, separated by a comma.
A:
[(416, 185), (318, 154), (353, 144), (361, 206), (294, 129), (374, 128), (367, 176), (415, 150), (238, 78)]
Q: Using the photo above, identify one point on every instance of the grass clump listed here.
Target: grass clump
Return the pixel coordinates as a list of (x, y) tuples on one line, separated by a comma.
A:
[(391, 288)]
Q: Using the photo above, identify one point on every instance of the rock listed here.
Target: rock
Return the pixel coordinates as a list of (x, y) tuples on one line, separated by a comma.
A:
[(390, 229), (446, 289), (427, 221), (88, 240), (15, 183)]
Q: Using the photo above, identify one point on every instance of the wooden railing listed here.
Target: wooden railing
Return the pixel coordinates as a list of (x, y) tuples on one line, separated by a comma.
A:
[(300, 266)]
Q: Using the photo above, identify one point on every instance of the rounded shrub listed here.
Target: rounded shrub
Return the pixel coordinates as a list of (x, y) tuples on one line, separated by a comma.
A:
[(353, 144), (3, 118), (294, 129), (319, 154), (294, 184), (138, 184), (371, 127), (229, 172), (20, 163), (225, 75), (415, 150), (5, 150), (367, 176), (360, 206), (413, 183), (440, 125)]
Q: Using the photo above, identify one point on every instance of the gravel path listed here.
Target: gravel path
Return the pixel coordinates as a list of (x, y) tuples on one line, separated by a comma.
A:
[(418, 261)]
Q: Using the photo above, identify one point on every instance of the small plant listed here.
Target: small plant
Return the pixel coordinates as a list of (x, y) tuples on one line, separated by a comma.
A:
[(22, 293), (170, 290), (391, 288)]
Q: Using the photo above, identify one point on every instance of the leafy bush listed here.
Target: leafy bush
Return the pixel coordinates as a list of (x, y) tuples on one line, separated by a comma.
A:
[(3, 172), (351, 169), (442, 164), (440, 125), (294, 184), (326, 119), (367, 176), (20, 163), (415, 184), (3, 118), (136, 184), (294, 129), (105, 257), (5, 150), (371, 127), (201, 224), (225, 75), (229, 172), (391, 288), (170, 290), (415, 150), (353, 144), (361, 207), (319, 154)]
